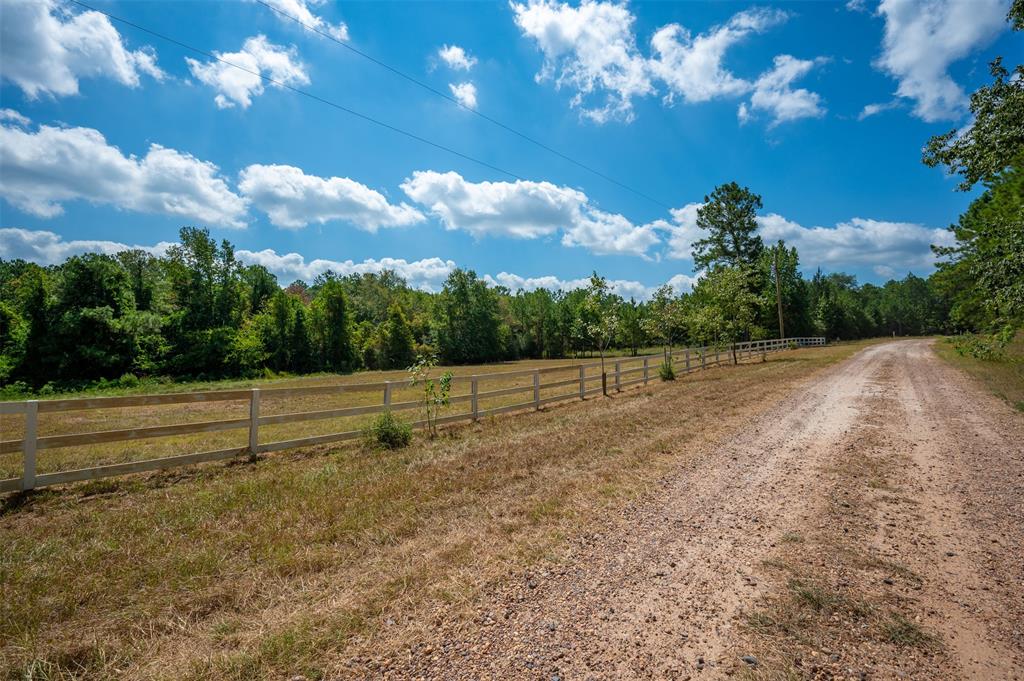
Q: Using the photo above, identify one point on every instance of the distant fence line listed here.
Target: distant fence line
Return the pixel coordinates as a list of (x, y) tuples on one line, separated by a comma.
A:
[(690, 359)]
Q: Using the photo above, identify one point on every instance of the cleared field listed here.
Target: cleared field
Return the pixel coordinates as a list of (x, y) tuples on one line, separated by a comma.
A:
[(307, 560), (218, 421)]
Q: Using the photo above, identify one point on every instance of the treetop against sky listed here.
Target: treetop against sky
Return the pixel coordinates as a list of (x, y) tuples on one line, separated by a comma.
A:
[(112, 136)]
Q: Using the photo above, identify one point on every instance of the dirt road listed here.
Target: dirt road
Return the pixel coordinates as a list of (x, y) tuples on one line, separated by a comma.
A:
[(890, 483)]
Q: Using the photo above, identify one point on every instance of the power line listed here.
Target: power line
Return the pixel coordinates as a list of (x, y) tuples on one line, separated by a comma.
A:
[(298, 91), (453, 100)]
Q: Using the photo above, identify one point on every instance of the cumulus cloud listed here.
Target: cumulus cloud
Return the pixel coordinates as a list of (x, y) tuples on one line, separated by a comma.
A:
[(922, 40), (46, 49), (859, 242), (300, 9), (626, 288), (773, 92), (520, 209), (465, 93), (610, 234), (427, 274), (45, 168), (526, 210), (692, 66), (456, 58), (292, 199), (260, 58), (47, 248), (590, 49)]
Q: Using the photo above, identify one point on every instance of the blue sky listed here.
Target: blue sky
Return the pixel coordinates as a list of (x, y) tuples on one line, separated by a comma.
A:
[(110, 136)]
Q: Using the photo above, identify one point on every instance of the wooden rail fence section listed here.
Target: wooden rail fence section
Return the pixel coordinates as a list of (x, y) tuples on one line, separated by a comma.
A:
[(685, 359)]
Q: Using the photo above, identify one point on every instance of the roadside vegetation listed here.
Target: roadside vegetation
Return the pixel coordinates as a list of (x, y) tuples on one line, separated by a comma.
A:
[(999, 366), (301, 562)]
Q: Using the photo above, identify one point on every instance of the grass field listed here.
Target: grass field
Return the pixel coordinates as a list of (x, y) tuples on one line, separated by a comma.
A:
[(1003, 378), (306, 559), (62, 423)]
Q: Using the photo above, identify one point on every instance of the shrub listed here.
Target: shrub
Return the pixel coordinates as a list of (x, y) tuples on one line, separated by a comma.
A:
[(666, 371), (388, 432)]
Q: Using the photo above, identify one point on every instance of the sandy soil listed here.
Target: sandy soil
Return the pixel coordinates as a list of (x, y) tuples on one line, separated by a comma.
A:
[(664, 594)]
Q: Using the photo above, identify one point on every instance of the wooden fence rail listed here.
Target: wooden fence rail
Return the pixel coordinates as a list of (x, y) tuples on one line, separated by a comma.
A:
[(684, 359)]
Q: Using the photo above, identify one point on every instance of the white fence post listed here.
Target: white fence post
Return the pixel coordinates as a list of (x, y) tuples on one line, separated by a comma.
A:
[(646, 370), (583, 383), (703, 358), (254, 422), (686, 354), (474, 400), (28, 448), (387, 394), (536, 388), (618, 377)]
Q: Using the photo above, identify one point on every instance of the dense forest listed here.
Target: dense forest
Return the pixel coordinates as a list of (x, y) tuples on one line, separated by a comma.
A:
[(200, 313)]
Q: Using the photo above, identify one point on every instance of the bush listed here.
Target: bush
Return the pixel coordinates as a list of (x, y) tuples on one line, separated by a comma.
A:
[(666, 371), (388, 432)]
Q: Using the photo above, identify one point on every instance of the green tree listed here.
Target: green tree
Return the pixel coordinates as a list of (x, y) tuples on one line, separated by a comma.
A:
[(397, 346), (729, 215), (602, 320), (331, 321), (723, 308), (467, 320), (13, 336), (665, 321)]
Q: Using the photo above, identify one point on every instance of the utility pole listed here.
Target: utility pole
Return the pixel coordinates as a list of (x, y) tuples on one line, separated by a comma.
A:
[(778, 293)]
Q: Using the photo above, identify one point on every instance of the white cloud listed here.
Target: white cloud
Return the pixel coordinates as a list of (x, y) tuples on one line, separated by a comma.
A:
[(301, 11), (773, 94), (923, 38), (591, 49), (856, 6), (43, 169), (683, 231), (48, 248), (858, 242), (258, 56), (520, 209), (465, 93), (873, 109), (293, 199), (456, 58), (610, 234), (14, 117), (692, 66), (626, 288), (427, 274), (526, 210), (46, 49)]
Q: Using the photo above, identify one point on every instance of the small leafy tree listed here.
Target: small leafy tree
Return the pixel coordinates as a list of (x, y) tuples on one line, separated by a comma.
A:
[(664, 320), (603, 320), (435, 391)]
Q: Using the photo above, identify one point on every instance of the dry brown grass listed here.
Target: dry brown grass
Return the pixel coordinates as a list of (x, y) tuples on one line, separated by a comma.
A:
[(301, 561)]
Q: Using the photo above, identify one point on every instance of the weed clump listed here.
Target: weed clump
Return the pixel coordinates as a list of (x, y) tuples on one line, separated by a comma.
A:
[(666, 371), (388, 432)]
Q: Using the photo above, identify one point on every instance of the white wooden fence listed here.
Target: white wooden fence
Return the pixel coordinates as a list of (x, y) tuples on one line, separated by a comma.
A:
[(685, 360)]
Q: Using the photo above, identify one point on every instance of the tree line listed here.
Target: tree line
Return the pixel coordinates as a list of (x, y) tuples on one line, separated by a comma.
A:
[(198, 312)]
